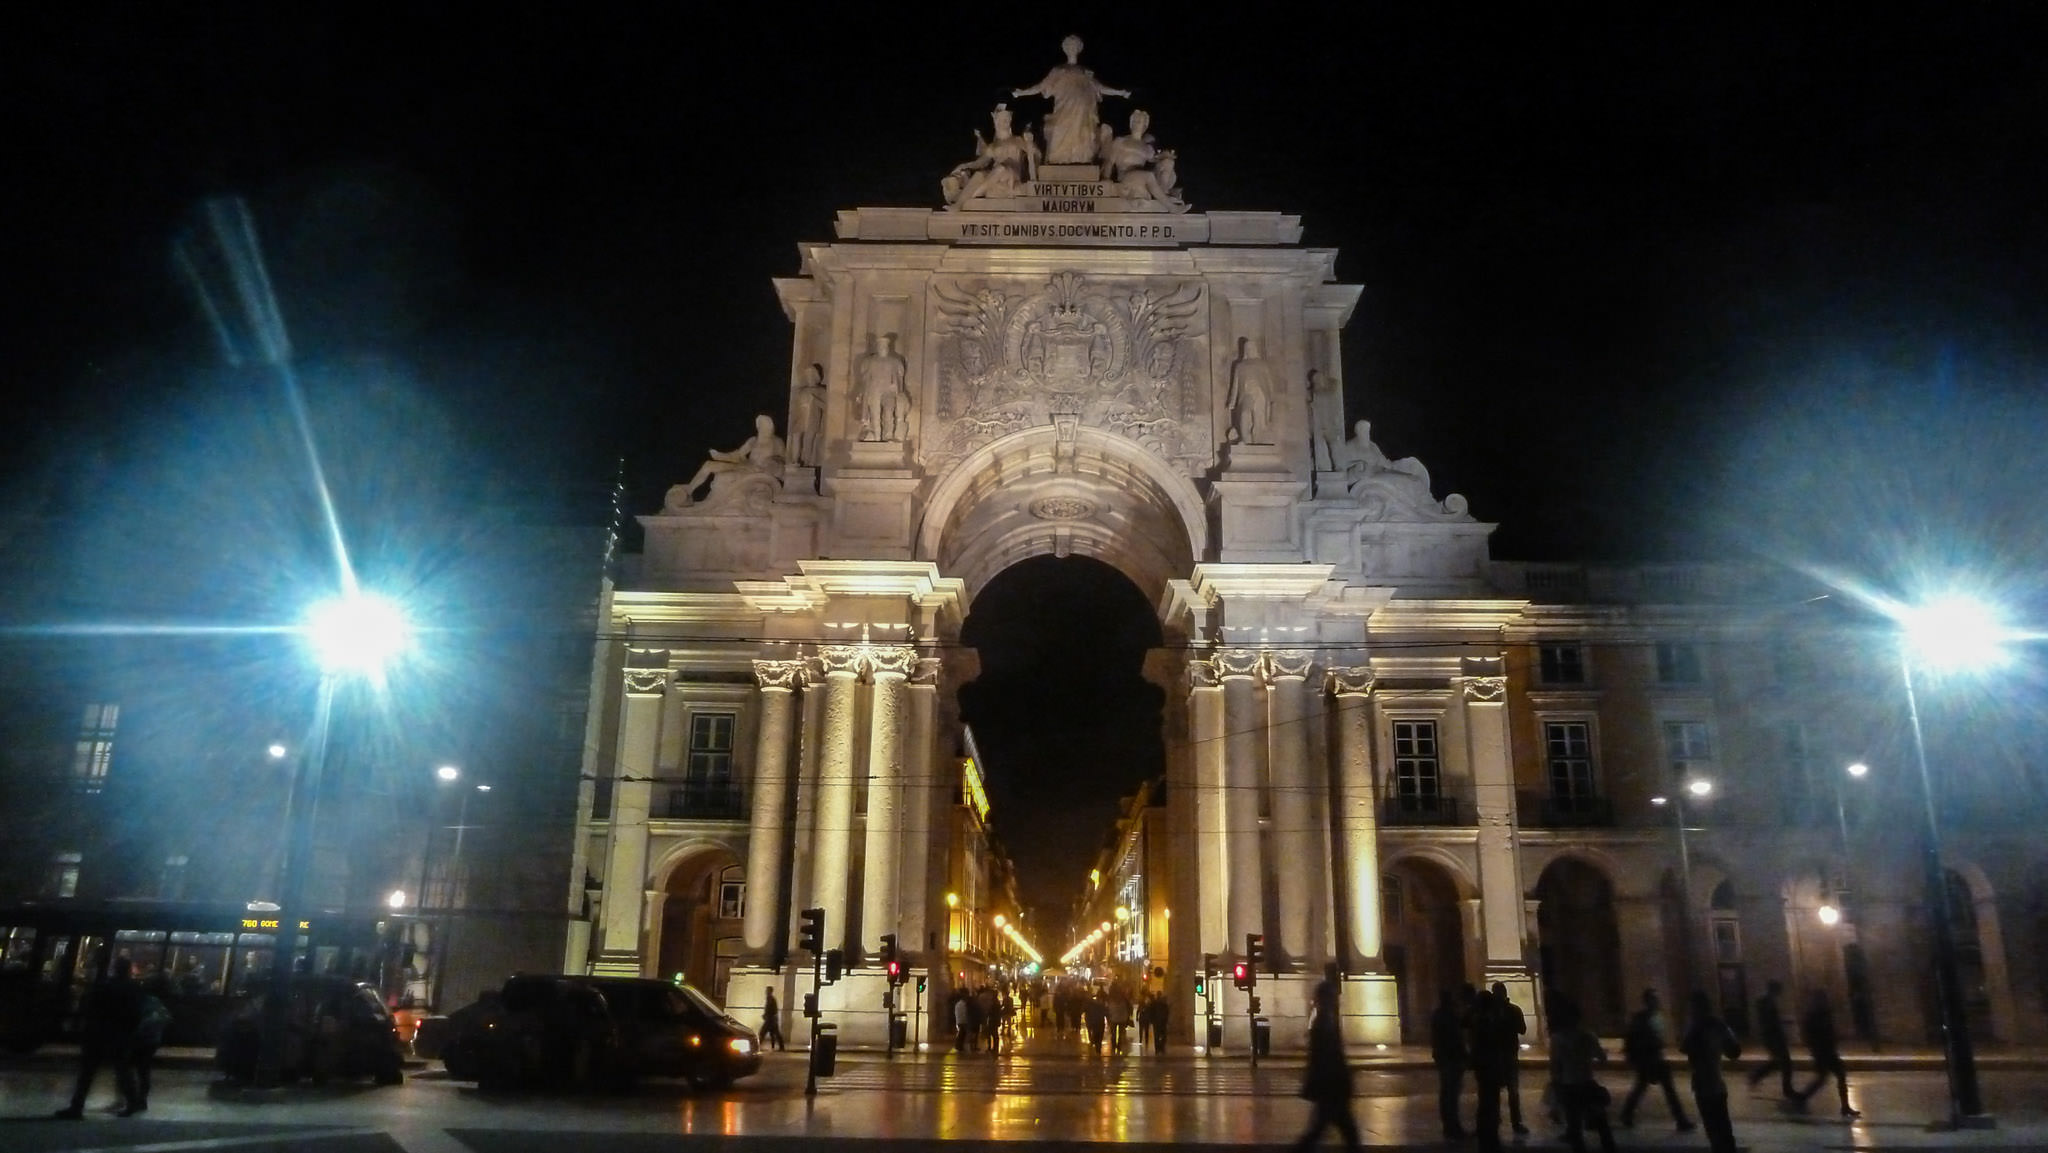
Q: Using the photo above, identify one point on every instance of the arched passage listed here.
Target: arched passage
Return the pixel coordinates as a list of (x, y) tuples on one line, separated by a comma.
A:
[(1580, 940), (1423, 936), (703, 902)]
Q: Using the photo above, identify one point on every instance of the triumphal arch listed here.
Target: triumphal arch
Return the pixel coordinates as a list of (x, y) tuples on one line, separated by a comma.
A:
[(1065, 356)]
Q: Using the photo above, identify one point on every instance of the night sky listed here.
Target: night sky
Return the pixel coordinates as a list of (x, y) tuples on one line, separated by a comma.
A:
[(1640, 282)]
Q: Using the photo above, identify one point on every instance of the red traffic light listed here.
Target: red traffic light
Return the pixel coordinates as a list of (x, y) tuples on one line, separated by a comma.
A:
[(1241, 975), (895, 969)]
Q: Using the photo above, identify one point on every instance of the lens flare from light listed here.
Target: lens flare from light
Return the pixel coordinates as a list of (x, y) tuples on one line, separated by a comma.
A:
[(357, 635)]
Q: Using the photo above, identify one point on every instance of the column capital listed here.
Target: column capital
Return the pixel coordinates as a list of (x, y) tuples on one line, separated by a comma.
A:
[(1238, 663), (835, 659), (646, 682), (891, 660), (1486, 689), (778, 676), (1288, 664), (1202, 674), (927, 671), (1349, 681)]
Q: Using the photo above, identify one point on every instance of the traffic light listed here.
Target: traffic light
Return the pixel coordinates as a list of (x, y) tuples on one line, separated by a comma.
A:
[(834, 962), (810, 1004), (1255, 950), (1201, 984), (1241, 973), (812, 939), (920, 982), (891, 964)]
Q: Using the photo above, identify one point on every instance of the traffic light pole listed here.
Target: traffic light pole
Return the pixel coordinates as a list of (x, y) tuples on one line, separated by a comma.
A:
[(811, 1059)]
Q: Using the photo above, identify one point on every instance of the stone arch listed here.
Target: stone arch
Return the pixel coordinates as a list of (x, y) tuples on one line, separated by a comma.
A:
[(1423, 932), (1098, 495), (1980, 949), (693, 931), (1579, 937)]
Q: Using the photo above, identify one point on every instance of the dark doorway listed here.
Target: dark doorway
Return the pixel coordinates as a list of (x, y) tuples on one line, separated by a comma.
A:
[(1062, 713), (1425, 940), (1581, 943)]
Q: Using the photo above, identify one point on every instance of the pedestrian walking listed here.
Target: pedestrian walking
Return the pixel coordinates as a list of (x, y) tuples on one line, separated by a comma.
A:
[(1096, 1016), (1326, 1085), (1513, 1026), (113, 1012), (963, 1020), (1707, 1042), (771, 1022), (1817, 1030), (1770, 1030), (1574, 1051), (1447, 1052), (1491, 1046), (149, 1034), (1162, 1012), (1643, 1045)]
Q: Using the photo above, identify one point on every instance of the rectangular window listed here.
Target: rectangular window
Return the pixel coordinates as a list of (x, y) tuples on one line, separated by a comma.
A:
[(1417, 773), (1568, 751), (63, 878), (1727, 941), (711, 746), (1688, 748), (94, 754), (1561, 664), (1678, 663), (732, 900)]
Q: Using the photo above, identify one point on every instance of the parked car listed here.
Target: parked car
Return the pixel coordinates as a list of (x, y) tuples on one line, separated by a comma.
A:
[(584, 1031), (335, 1027)]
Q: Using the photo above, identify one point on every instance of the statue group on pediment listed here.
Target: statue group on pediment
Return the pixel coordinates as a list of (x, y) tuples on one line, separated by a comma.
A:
[(1389, 486), (749, 475), (1001, 166), (1139, 168)]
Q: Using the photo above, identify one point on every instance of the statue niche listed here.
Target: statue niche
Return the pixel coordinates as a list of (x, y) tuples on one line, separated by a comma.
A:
[(881, 392)]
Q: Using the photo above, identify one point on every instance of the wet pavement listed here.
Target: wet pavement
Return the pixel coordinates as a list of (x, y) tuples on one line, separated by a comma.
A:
[(1052, 1094)]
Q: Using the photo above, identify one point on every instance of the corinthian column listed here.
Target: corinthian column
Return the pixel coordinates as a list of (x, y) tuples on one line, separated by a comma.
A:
[(834, 835), (920, 796), (1357, 813), (625, 872), (766, 849), (1243, 746), (1294, 837), (1212, 846), (880, 886)]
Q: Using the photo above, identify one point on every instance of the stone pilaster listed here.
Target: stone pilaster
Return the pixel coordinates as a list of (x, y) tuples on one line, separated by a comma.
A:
[(625, 874), (881, 885), (804, 847), (833, 840), (767, 837), (1243, 772), (1212, 844), (1294, 834), (1493, 805), (921, 793), (1357, 817)]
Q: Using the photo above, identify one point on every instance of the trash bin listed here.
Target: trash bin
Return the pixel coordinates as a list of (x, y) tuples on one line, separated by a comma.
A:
[(1262, 1036), (899, 1030), (825, 1050), (1215, 1034)]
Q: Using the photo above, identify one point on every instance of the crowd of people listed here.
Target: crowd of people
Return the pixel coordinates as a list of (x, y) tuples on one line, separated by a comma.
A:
[(1101, 1016)]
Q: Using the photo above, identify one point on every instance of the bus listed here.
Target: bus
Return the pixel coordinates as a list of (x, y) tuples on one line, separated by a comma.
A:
[(203, 961)]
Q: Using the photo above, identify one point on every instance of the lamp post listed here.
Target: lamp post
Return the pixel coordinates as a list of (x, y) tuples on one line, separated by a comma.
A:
[(1831, 913), (351, 635), (1702, 788)]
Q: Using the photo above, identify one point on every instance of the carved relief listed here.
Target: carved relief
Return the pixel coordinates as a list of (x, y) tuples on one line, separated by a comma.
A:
[(880, 392), (927, 671), (647, 682), (778, 675), (1486, 688), (748, 476), (1288, 664), (1393, 489), (1122, 356), (1239, 663), (841, 659), (891, 660), (1250, 399), (1350, 681), (1062, 508), (1202, 675)]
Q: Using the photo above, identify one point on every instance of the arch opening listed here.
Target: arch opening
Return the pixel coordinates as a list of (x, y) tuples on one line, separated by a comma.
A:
[(703, 903), (1423, 935), (1580, 940)]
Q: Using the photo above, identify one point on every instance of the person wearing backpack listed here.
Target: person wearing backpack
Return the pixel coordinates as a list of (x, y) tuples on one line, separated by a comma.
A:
[(1708, 1041), (1643, 1046)]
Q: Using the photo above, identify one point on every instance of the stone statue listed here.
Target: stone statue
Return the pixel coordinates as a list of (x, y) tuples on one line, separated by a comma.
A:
[(807, 415), (761, 456), (1000, 166), (1250, 398), (884, 401), (1364, 460), (1070, 130), (1138, 167), (1326, 421)]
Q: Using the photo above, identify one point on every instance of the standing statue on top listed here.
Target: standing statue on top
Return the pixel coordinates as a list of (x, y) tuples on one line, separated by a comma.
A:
[(884, 400), (1075, 92)]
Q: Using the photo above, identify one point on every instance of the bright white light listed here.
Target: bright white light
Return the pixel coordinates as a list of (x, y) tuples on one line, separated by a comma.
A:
[(1001, 920), (277, 751), (483, 788), (1954, 634), (1382, 1046), (1829, 915), (1858, 769), (356, 634), (448, 772), (1699, 787), (397, 899), (1659, 800)]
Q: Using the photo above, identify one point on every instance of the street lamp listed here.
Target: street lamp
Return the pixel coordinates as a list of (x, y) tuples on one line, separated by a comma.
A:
[(351, 635), (1701, 788), (1855, 771), (1951, 634)]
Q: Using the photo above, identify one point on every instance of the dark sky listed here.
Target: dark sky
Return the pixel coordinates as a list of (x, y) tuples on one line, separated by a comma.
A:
[(1633, 274)]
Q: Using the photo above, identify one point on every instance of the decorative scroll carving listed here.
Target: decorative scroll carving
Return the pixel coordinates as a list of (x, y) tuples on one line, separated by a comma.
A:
[(1124, 356), (647, 682), (748, 476), (1071, 135), (927, 671), (1288, 663), (1239, 662), (1062, 508), (841, 659), (1393, 489), (1486, 688), (778, 675), (1250, 399), (1202, 674), (1350, 681), (891, 660), (880, 392)]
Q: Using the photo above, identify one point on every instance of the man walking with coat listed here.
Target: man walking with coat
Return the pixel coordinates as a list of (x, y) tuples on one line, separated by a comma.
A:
[(1447, 1052), (1644, 1045), (1327, 1083)]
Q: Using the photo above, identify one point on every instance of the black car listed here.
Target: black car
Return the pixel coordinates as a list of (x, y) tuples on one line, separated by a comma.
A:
[(580, 1032), (335, 1028)]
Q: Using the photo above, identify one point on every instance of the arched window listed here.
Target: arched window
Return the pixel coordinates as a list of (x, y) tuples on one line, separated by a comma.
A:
[(732, 893)]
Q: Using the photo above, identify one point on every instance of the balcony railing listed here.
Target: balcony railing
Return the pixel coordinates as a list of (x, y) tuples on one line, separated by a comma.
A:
[(1420, 809), (701, 801), (1559, 811)]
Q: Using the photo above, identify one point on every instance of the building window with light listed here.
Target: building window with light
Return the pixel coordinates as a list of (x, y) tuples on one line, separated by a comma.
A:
[(1678, 663), (732, 893), (93, 756), (1560, 663), (1568, 756), (1418, 774), (62, 879), (1688, 748), (711, 746)]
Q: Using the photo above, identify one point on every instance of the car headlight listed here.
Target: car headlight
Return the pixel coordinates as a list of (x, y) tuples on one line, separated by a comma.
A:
[(741, 1045)]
